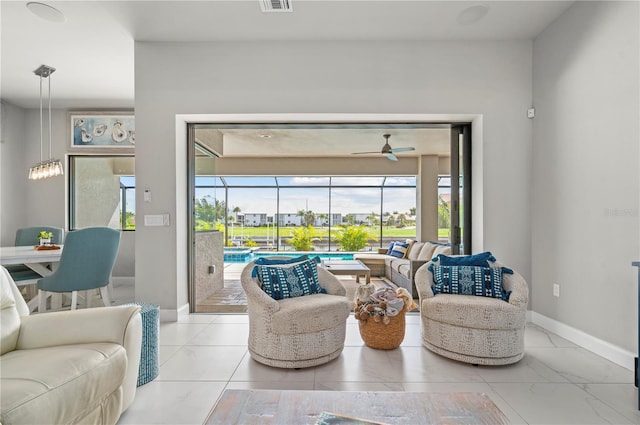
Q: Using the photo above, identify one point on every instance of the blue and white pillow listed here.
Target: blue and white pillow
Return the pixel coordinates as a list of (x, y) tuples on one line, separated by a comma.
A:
[(482, 260), (399, 249), (281, 281), (469, 280)]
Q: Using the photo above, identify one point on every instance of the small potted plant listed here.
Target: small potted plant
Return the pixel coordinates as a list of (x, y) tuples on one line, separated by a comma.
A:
[(45, 237)]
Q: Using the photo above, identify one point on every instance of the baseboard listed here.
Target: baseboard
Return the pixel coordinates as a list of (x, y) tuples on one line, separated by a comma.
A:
[(183, 312), (173, 315), (605, 349), (123, 280)]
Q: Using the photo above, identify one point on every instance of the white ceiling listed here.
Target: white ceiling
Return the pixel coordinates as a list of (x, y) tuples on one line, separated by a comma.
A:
[(334, 142), (93, 51)]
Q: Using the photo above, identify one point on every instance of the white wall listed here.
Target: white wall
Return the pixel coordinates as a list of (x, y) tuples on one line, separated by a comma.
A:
[(12, 170), (585, 218), (492, 79), (24, 202)]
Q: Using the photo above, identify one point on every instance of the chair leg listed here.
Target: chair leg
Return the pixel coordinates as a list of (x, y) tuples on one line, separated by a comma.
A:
[(74, 299), (106, 299), (110, 291), (42, 301), (87, 298)]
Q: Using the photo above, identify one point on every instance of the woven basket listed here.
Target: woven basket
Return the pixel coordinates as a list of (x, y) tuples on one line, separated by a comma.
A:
[(381, 336)]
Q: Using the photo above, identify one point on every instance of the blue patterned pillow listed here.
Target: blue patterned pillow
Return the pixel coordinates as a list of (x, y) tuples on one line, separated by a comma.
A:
[(468, 280), (390, 248), (281, 281), (269, 261), (399, 249), (482, 260)]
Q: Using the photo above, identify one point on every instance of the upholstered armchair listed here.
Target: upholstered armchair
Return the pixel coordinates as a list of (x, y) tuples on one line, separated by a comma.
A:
[(296, 332), (66, 367), (474, 329)]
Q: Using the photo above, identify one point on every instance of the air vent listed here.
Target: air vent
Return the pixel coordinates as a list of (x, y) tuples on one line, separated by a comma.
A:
[(276, 6)]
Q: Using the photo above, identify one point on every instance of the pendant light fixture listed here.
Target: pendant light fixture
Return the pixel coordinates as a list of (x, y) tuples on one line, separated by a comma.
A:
[(50, 167)]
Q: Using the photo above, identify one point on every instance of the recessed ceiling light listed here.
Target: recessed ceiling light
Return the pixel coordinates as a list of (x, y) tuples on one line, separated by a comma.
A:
[(46, 12), (472, 14), (265, 136)]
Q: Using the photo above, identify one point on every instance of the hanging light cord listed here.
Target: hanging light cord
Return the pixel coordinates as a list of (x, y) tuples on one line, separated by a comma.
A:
[(50, 144), (51, 167), (41, 129)]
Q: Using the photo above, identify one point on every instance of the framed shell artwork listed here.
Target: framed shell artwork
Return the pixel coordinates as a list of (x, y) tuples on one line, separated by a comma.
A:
[(102, 129)]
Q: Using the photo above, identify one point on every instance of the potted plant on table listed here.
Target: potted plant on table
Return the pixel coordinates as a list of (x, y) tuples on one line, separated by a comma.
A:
[(45, 237)]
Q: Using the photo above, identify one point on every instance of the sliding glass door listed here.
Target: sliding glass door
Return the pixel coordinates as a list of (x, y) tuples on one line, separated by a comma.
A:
[(460, 211)]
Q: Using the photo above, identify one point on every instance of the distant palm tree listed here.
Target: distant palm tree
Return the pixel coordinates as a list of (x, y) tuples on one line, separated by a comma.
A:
[(324, 218), (308, 217), (210, 212), (373, 219)]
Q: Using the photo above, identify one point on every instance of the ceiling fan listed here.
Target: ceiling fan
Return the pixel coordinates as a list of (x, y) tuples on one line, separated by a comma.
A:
[(388, 150)]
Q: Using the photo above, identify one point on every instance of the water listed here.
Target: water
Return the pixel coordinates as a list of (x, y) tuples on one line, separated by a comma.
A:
[(246, 255)]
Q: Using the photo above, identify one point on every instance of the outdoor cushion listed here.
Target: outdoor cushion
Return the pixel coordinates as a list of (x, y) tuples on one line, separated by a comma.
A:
[(399, 249), (442, 249), (415, 250), (426, 253)]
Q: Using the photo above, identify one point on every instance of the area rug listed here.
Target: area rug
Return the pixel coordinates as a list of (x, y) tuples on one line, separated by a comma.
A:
[(305, 407)]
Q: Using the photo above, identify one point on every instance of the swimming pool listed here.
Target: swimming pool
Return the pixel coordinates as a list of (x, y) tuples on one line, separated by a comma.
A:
[(246, 255), (239, 255)]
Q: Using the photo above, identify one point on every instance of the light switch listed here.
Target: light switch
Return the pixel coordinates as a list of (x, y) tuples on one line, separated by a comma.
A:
[(156, 219)]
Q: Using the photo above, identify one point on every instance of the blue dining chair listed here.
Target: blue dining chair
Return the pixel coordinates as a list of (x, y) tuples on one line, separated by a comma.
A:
[(86, 263), (26, 236), (29, 235)]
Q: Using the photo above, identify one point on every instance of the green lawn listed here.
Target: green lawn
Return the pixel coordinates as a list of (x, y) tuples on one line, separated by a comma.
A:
[(323, 232)]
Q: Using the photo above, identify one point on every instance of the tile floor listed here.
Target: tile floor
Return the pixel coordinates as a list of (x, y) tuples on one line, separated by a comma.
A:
[(557, 382)]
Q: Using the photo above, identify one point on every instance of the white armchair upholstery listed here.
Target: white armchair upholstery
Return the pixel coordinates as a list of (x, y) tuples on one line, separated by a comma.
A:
[(296, 332), (474, 329), (66, 367)]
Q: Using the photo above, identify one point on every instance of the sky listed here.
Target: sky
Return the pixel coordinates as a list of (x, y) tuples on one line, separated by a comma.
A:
[(352, 200)]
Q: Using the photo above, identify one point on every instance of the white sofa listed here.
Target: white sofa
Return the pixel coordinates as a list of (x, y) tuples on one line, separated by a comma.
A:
[(401, 271), (66, 367)]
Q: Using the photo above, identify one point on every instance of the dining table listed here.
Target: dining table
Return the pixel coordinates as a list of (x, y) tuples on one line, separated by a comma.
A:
[(36, 260), (43, 262)]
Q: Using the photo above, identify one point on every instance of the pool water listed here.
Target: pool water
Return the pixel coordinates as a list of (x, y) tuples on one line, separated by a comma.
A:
[(246, 255)]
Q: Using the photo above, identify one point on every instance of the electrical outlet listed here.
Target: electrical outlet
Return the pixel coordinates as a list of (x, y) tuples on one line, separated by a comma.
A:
[(556, 290)]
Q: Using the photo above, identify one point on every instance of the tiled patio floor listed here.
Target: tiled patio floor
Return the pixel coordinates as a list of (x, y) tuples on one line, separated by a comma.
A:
[(232, 299)]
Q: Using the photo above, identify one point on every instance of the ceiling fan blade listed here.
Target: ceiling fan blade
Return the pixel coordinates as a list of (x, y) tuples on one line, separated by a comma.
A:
[(392, 157), (363, 153), (407, 149)]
